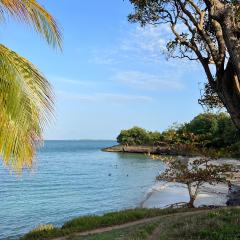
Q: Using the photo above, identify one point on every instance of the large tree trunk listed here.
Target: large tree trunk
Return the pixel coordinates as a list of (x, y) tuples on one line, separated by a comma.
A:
[(231, 33), (192, 195), (228, 89), (191, 203)]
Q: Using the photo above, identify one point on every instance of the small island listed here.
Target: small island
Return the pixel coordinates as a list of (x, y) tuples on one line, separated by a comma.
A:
[(211, 134)]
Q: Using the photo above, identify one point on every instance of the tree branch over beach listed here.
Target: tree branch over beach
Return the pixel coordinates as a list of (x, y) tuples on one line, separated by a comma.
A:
[(206, 31)]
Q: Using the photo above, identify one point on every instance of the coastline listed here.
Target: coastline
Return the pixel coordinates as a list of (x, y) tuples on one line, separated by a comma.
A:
[(160, 150), (164, 194)]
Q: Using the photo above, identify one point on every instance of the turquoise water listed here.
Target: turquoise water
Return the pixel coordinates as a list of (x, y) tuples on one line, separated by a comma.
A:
[(72, 178)]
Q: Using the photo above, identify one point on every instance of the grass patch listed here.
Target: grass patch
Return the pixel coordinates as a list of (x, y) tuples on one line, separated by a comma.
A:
[(87, 223), (143, 232), (130, 233), (110, 219), (221, 224), (115, 234)]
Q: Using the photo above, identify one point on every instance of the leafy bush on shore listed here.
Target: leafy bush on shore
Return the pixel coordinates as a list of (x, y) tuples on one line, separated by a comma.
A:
[(207, 131)]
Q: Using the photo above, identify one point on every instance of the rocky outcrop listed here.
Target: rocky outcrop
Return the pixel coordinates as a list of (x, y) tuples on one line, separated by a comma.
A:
[(161, 150)]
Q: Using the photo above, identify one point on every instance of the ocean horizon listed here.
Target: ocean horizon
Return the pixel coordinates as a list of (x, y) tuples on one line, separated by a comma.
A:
[(72, 178)]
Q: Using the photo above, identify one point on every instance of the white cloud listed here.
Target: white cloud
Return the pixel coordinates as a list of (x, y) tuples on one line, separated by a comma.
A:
[(150, 82), (104, 97), (140, 45), (105, 56), (59, 79), (149, 40)]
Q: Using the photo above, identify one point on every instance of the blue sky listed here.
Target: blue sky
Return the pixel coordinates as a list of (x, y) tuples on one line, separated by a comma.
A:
[(111, 74)]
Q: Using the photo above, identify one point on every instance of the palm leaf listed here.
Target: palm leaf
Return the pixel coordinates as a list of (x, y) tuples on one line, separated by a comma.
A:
[(26, 105), (33, 13)]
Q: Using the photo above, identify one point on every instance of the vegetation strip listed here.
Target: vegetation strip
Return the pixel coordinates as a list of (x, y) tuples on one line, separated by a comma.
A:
[(222, 224), (89, 223), (108, 229), (207, 134), (210, 224), (129, 224)]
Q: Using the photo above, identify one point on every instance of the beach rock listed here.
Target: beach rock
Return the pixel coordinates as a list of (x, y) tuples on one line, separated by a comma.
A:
[(234, 196), (163, 149)]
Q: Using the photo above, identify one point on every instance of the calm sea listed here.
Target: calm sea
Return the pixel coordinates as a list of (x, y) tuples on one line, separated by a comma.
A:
[(72, 178)]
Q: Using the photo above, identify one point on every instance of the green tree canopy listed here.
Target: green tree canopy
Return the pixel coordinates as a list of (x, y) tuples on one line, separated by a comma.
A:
[(207, 130), (134, 136)]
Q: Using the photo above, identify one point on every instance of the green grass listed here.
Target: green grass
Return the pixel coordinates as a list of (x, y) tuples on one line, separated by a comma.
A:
[(87, 223), (143, 232), (131, 233), (223, 224), (220, 224), (110, 219)]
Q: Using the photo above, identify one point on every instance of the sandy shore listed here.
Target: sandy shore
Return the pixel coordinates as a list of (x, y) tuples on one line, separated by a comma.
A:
[(163, 194)]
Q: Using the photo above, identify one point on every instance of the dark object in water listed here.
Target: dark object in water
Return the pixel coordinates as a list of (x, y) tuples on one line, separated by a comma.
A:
[(109, 174)]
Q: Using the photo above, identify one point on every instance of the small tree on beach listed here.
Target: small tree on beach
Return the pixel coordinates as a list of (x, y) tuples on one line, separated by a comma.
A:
[(194, 174)]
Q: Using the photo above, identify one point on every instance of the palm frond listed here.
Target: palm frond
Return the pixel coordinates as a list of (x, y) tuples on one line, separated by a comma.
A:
[(30, 11), (26, 105)]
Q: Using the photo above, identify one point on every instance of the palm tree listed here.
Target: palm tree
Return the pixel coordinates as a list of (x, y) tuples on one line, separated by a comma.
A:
[(26, 98)]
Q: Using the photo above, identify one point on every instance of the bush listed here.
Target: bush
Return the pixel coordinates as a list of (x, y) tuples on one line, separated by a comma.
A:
[(134, 136), (207, 132)]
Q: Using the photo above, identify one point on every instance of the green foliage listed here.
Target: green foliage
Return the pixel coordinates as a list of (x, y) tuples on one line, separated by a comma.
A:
[(203, 124), (155, 138), (115, 218), (213, 130), (206, 133), (26, 104), (45, 227), (32, 13), (134, 136), (26, 97)]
